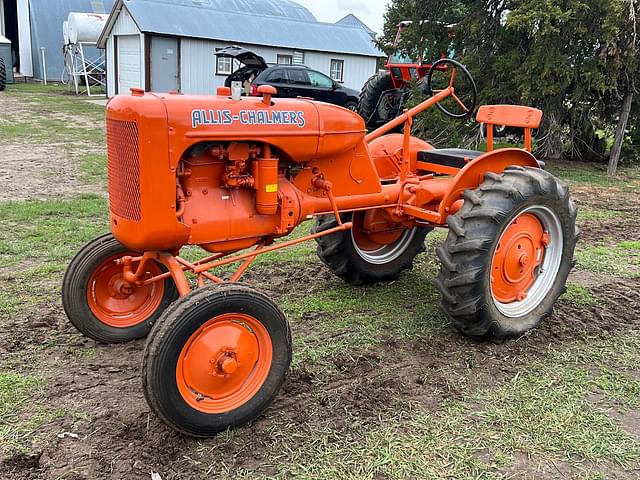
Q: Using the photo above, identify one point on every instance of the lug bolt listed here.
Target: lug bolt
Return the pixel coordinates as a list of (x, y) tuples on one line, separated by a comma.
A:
[(545, 240)]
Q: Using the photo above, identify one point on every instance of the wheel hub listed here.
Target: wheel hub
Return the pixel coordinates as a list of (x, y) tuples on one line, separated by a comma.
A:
[(377, 239), (517, 257), (224, 363), (118, 303)]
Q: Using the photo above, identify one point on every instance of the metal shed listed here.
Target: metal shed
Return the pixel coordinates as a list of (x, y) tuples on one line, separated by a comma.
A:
[(35, 28), (164, 45)]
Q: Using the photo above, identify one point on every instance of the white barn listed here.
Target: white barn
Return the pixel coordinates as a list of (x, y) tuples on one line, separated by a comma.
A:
[(163, 45)]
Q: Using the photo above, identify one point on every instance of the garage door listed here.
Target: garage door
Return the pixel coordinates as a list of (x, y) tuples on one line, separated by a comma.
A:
[(129, 63)]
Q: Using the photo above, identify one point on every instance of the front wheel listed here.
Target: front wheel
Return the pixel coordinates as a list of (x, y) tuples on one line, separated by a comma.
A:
[(508, 253), (216, 359), (351, 105), (374, 250), (101, 305)]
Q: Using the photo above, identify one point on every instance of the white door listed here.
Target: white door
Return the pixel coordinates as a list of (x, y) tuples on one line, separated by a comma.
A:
[(129, 63)]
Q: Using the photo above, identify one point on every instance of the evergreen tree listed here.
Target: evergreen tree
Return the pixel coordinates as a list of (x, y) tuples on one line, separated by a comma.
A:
[(574, 59)]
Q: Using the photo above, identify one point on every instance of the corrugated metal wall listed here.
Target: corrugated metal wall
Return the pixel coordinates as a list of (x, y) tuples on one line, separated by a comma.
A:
[(46, 17), (124, 25), (198, 65)]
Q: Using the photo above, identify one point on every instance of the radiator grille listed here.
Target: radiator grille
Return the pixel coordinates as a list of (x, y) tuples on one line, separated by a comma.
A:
[(124, 169)]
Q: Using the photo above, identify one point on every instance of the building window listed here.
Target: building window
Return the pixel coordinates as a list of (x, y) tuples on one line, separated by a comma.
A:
[(337, 70), (285, 59), (298, 58), (224, 66)]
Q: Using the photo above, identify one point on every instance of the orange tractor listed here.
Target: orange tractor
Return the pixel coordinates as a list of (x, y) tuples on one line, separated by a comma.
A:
[(232, 176)]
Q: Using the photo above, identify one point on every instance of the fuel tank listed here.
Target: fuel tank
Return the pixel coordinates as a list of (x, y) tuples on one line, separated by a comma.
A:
[(301, 129)]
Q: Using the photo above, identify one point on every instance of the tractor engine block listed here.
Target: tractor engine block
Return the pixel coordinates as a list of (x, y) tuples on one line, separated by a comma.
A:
[(235, 190)]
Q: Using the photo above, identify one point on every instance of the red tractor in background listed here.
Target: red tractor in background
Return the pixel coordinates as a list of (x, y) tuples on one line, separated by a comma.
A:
[(385, 93)]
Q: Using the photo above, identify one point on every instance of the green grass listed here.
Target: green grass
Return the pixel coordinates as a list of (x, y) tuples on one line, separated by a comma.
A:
[(50, 131), (37, 240), (36, 87), (94, 168), (50, 116), (585, 213), (627, 180), (19, 393), (579, 295), (622, 259)]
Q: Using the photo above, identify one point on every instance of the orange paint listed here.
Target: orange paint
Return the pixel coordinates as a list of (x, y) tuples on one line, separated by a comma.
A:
[(518, 254), (224, 363), (227, 175), (118, 303)]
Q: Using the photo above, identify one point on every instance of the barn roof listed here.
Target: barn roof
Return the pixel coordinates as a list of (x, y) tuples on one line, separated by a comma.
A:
[(277, 23), (354, 21)]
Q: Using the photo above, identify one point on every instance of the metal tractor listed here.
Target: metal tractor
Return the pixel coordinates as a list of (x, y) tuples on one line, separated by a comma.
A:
[(385, 93), (233, 176)]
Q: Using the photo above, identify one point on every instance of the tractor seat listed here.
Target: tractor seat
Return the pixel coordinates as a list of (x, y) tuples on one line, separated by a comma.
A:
[(448, 157)]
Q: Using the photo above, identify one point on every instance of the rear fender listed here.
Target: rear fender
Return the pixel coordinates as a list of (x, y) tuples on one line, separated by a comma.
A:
[(383, 149), (472, 175)]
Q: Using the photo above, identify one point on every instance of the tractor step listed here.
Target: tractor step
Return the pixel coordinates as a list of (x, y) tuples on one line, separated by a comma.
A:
[(448, 157)]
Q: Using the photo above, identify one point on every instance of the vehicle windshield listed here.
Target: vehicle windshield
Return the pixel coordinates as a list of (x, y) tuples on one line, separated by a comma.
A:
[(401, 57)]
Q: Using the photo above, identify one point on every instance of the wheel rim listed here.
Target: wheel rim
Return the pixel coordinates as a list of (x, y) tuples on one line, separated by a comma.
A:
[(526, 261), (379, 247), (224, 363), (353, 107), (117, 303)]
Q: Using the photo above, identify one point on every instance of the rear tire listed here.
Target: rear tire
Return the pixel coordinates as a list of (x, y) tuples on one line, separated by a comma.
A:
[(370, 95), (93, 306), (3, 75), (357, 266), (216, 359), (490, 282)]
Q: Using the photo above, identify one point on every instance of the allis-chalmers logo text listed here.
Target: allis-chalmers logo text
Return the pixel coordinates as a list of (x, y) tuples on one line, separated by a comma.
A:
[(246, 117)]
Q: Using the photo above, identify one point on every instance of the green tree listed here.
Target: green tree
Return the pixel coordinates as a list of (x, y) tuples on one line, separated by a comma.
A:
[(571, 58)]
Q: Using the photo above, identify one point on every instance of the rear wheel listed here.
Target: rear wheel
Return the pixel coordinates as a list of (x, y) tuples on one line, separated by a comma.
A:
[(101, 305), (374, 250), (368, 103), (508, 253), (216, 359)]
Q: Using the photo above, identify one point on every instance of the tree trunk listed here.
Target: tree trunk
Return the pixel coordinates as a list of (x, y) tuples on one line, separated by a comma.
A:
[(620, 131), (551, 146)]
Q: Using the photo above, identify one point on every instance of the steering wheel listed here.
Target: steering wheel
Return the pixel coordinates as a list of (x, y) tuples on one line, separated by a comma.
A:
[(446, 65)]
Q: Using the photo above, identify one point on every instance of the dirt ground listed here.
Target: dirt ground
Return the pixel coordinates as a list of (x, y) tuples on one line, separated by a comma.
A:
[(104, 428), (31, 170)]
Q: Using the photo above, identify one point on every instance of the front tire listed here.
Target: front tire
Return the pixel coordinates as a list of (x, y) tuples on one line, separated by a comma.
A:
[(216, 359), (100, 305), (351, 105), (508, 253), (361, 258)]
